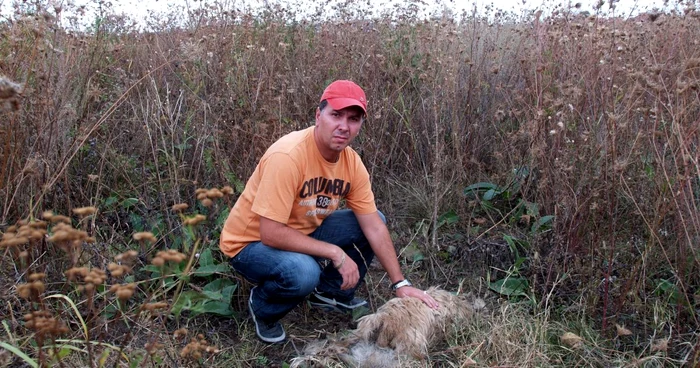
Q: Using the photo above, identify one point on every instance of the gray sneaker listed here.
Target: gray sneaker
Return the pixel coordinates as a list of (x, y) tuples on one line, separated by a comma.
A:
[(327, 302), (270, 332)]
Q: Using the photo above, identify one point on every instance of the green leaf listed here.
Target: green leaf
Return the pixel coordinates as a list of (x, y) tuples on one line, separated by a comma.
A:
[(223, 215), (490, 194), (206, 258), (14, 350), (474, 189), (413, 253), (213, 295), (228, 291), (542, 224), (218, 284), (136, 221), (211, 269), (110, 201), (152, 268), (129, 202), (448, 218), (511, 286), (187, 301), (221, 308)]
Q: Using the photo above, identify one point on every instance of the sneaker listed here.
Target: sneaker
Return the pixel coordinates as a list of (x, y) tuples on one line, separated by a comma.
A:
[(268, 332), (324, 301)]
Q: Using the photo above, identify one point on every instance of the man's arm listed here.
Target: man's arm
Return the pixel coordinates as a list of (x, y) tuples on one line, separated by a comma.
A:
[(379, 239), (280, 236)]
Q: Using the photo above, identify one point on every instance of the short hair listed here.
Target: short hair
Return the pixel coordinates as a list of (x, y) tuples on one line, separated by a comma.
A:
[(324, 103)]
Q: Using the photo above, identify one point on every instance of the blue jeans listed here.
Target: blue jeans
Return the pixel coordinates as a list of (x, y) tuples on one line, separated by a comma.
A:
[(285, 278)]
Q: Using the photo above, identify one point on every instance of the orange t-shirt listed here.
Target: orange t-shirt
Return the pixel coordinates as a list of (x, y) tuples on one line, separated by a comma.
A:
[(293, 184)]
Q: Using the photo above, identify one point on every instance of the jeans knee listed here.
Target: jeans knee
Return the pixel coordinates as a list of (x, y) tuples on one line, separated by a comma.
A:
[(302, 275)]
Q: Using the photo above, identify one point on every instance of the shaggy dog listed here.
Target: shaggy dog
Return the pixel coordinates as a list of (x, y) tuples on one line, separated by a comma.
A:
[(398, 335)]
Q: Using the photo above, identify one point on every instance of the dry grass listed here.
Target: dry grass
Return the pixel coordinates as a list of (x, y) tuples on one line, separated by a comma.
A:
[(590, 119)]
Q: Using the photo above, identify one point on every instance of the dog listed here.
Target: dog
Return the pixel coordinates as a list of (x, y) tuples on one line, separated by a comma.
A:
[(399, 334)]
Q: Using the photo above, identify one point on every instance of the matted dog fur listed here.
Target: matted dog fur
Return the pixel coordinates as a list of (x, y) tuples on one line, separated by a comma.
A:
[(399, 334)]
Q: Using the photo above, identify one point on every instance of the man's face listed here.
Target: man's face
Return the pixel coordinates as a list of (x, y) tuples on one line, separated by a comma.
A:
[(335, 129)]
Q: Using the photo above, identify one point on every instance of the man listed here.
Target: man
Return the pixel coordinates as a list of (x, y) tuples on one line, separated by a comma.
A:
[(286, 222)]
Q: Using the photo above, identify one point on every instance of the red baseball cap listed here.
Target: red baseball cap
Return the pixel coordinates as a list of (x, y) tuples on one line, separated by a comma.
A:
[(343, 93)]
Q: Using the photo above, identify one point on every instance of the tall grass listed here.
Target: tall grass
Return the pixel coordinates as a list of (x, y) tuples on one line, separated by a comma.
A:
[(590, 119)]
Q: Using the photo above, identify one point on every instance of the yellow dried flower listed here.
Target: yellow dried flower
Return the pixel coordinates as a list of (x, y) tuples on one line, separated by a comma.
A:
[(85, 211), (14, 241), (127, 256), (214, 193), (60, 218), (37, 276), (145, 236), (180, 333), (180, 207), (192, 221)]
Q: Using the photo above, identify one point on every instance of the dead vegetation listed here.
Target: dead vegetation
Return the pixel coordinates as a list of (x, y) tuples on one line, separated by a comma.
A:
[(550, 162)]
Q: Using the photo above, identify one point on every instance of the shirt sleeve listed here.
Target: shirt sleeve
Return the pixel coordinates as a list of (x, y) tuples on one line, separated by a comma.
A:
[(361, 198), (279, 180)]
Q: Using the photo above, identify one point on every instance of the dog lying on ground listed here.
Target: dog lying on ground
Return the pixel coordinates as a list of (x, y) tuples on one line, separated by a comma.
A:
[(399, 334)]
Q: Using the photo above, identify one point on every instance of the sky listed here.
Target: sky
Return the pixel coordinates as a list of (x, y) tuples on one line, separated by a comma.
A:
[(139, 9)]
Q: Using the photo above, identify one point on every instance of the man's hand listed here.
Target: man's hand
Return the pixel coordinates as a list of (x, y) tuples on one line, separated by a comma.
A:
[(410, 291), (348, 269)]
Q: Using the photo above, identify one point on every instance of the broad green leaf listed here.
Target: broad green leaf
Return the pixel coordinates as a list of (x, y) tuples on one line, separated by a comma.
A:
[(480, 187), (218, 284), (223, 215), (213, 295), (211, 269), (129, 202), (136, 221), (413, 253), (511, 286), (110, 201), (206, 258), (221, 308), (543, 223), (448, 218), (187, 301), (228, 292)]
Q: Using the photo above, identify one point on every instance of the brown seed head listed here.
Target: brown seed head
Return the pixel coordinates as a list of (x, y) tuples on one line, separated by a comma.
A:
[(180, 207), (180, 333), (8, 88), (126, 257), (60, 218), (145, 236), (214, 193), (192, 221), (158, 261), (37, 276), (85, 211)]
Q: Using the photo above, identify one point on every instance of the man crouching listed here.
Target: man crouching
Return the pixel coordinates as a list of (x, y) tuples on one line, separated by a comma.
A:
[(286, 222)]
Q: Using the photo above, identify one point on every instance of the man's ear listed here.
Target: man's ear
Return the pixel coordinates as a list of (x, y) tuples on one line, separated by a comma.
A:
[(318, 114)]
